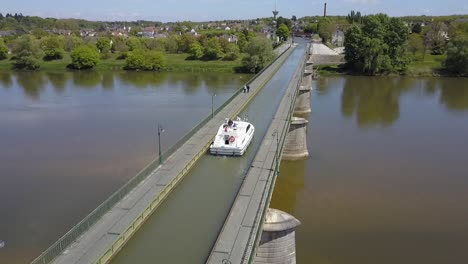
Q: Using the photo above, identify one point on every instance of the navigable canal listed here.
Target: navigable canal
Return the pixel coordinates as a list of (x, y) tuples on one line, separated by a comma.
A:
[(386, 181), (184, 228), (69, 140)]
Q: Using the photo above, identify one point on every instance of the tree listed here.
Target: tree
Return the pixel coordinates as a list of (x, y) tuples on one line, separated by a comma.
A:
[(134, 43), (145, 60), (196, 51), (72, 42), (417, 28), (354, 17), (52, 47), (415, 44), (84, 57), (281, 20), (436, 39), (103, 44), (232, 52), (457, 55), (212, 49), (259, 53), (3, 50), (377, 46), (26, 53), (172, 44), (325, 29), (283, 32)]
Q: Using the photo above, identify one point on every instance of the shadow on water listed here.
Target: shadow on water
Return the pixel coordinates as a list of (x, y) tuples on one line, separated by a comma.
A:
[(58, 80), (86, 79), (142, 79), (289, 184), (5, 79), (373, 101), (33, 83), (454, 95)]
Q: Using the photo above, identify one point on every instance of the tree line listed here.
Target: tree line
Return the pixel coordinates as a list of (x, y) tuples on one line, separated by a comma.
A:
[(27, 51)]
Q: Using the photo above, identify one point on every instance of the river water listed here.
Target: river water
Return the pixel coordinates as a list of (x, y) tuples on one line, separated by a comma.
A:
[(386, 181), (68, 140), (387, 176)]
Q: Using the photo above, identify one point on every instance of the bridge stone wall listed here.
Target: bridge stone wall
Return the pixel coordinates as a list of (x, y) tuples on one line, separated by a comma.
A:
[(296, 141), (278, 242)]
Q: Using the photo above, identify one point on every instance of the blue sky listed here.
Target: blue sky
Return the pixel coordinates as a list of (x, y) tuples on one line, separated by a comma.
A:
[(203, 10)]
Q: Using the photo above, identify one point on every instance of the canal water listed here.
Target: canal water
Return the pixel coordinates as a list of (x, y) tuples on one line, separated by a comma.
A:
[(387, 177), (386, 181), (185, 227), (68, 140)]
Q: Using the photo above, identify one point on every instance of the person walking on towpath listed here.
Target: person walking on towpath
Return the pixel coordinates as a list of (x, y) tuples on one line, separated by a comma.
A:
[(248, 88), (245, 89)]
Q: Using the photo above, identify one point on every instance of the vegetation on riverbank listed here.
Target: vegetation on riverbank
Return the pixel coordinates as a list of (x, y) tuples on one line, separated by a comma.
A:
[(430, 65), (174, 62)]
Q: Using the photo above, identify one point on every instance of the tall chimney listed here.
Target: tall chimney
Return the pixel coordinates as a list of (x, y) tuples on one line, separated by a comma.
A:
[(325, 10)]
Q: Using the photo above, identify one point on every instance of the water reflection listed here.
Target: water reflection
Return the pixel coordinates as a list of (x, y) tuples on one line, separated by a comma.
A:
[(108, 80), (58, 80), (5, 79), (142, 79), (289, 184), (33, 83), (374, 101), (454, 94), (86, 79)]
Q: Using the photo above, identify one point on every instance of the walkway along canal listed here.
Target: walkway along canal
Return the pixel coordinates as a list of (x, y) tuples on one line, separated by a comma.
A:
[(116, 226)]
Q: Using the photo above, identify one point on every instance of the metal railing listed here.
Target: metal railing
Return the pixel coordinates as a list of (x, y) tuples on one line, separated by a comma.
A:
[(255, 235), (73, 234)]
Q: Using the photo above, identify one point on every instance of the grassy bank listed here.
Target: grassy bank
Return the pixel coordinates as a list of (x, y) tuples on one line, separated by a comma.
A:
[(175, 62), (431, 65)]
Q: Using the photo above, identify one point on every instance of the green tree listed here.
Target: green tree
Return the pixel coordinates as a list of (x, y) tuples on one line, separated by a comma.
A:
[(84, 57), (26, 52), (417, 28), (283, 32), (185, 42), (72, 42), (377, 46), (259, 53), (457, 55), (3, 50), (103, 44), (134, 43), (212, 49), (415, 44), (435, 38), (196, 51), (354, 17), (145, 60), (325, 29), (52, 47), (172, 44), (232, 52)]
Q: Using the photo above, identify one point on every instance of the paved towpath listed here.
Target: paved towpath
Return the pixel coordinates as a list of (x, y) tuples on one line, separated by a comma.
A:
[(115, 228)]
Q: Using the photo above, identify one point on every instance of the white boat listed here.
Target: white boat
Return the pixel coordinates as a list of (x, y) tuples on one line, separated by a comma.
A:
[(233, 138)]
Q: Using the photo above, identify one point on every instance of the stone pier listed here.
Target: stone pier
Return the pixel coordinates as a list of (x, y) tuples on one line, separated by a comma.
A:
[(295, 147), (278, 242)]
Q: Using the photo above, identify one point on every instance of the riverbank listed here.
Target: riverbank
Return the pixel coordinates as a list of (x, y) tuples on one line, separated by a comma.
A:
[(431, 65), (175, 63)]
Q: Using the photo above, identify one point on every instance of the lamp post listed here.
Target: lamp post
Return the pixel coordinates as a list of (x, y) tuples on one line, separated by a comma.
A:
[(160, 130), (212, 105)]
